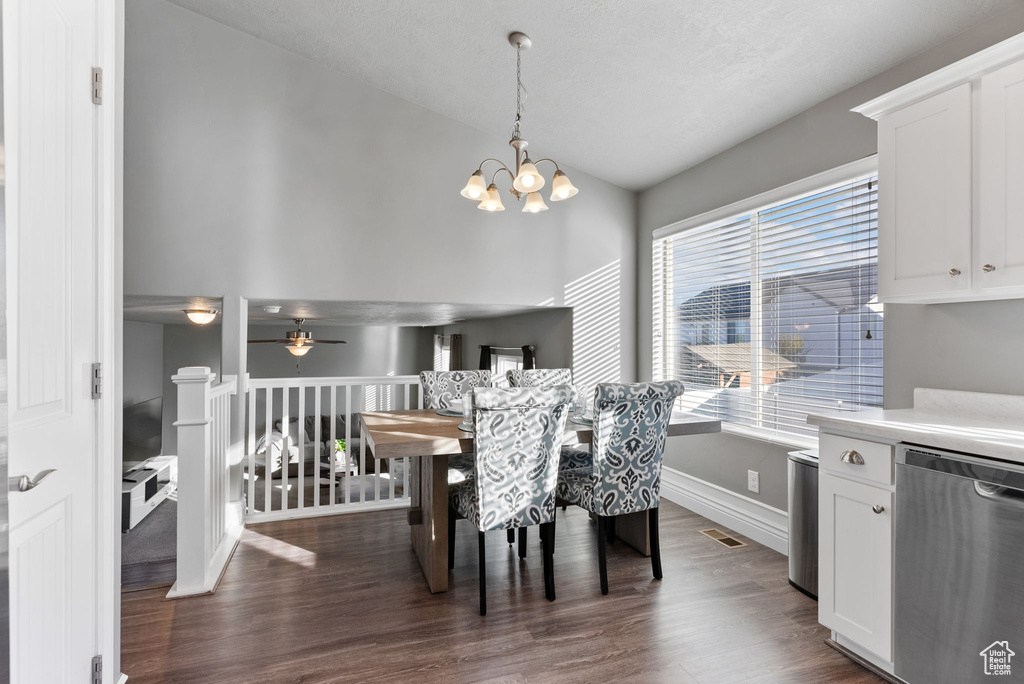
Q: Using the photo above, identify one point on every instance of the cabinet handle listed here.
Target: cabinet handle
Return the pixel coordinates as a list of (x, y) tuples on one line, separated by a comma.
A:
[(853, 457), (878, 509), (954, 272), (988, 268)]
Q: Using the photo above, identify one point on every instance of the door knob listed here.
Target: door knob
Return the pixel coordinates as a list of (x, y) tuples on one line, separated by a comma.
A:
[(23, 484), (852, 456), (877, 508), (988, 268), (954, 272)]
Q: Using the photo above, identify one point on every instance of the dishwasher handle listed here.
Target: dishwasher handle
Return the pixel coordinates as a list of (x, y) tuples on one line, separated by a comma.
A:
[(993, 492)]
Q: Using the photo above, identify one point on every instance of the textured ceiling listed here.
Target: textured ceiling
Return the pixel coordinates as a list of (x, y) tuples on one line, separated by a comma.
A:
[(630, 91), (169, 310)]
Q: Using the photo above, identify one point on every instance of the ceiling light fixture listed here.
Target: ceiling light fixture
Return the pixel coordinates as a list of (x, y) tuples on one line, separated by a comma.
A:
[(298, 342), (201, 316), (526, 180)]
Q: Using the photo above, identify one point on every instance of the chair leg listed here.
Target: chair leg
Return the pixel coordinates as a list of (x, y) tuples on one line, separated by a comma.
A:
[(547, 535), (483, 575), (652, 515), (522, 542), (511, 536), (609, 528), (602, 562), (451, 538)]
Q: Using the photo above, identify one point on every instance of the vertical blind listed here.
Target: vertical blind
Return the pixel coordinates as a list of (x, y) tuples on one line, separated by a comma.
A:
[(770, 315)]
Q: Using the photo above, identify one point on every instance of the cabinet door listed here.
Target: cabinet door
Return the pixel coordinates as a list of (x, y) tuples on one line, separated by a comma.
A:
[(1000, 261), (924, 197), (855, 562)]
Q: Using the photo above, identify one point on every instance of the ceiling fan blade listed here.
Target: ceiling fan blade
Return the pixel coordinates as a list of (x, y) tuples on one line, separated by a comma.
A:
[(326, 342), (269, 341)]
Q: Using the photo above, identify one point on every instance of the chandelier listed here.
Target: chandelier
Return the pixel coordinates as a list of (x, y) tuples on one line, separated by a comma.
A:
[(526, 180)]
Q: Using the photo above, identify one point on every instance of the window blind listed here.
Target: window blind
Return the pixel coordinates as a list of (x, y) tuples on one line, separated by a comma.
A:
[(772, 314)]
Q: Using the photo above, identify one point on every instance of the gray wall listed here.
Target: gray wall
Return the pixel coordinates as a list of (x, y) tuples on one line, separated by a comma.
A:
[(549, 331), (142, 370), (251, 170), (964, 346)]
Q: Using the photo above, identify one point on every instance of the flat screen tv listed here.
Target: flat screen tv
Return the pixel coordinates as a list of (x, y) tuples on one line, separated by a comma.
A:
[(142, 430)]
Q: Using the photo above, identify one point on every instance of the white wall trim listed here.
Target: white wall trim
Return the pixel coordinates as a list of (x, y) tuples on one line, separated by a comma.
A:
[(763, 523), (967, 69), (218, 562), (819, 181)]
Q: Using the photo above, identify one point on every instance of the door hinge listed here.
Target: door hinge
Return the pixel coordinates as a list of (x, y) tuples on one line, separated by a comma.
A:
[(97, 85), (97, 670), (97, 380)]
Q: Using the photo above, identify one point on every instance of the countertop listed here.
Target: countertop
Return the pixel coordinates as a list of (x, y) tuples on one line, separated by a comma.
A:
[(971, 422)]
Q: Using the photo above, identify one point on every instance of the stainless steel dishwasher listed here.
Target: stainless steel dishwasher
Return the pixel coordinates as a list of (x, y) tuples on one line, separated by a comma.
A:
[(959, 585)]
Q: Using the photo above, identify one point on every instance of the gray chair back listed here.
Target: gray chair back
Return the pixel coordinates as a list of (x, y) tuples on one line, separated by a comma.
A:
[(630, 428), (442, 388), (518, 436)]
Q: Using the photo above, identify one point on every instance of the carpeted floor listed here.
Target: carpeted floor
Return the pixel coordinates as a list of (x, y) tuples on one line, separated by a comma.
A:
[(149, 550)]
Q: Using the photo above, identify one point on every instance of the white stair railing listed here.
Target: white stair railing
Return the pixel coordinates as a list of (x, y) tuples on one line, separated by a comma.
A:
[(208, 525), (292, 467)]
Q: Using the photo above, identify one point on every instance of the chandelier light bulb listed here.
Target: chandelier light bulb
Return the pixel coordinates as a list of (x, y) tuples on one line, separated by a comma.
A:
[(529, 179), (476, 188), (561, 187), (492, 202), (534, 203)]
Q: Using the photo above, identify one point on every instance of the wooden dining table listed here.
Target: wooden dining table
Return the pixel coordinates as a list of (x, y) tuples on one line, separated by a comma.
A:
[(428, 439)]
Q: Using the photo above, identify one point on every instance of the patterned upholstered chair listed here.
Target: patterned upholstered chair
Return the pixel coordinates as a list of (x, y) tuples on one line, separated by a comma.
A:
[(441, 389), (571, 454), (630, 428), (518, 434)]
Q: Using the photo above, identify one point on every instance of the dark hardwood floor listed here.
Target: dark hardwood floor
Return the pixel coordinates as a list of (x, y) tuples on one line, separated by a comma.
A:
[(342, 599)]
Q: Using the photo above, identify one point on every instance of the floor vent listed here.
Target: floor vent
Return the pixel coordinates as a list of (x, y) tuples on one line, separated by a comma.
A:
[(722, 538)]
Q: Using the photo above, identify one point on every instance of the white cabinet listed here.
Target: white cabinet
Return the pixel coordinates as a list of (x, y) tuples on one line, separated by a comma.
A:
[(855, 562), (950, 173), (924, 196), (1001, 192)]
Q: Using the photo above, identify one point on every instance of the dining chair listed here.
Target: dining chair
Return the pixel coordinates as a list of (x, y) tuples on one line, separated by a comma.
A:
[(518, 434), (624, 473), (441, 389), (570, 454)]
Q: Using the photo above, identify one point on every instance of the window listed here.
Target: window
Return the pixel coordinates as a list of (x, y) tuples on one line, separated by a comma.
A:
[(770, 313)]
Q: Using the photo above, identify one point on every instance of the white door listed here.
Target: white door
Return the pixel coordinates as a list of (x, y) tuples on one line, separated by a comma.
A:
[(924, 197), (49, 46), (855, 562), (1000, 260)]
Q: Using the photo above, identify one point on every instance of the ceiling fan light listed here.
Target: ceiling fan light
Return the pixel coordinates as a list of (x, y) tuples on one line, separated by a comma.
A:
[(534, 203), (201, 316), (493, 201), (562, 188), (528, 180), (476, 188), (298, 349)]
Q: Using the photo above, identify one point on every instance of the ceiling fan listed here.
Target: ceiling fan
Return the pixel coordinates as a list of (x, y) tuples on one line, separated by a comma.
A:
[(298, 341)]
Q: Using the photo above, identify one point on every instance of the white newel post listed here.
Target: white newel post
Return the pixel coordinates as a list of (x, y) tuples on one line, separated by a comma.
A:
[(194, 503), (207, 534)]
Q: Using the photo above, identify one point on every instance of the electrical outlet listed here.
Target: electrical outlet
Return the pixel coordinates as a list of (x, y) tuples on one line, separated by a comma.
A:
[(753, 481)]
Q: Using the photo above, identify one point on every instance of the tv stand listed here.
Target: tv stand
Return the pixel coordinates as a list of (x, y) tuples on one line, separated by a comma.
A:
[(145, 486)]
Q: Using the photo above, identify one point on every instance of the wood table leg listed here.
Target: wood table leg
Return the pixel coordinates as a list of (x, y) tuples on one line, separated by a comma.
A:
[(634, 530), (430, 537)]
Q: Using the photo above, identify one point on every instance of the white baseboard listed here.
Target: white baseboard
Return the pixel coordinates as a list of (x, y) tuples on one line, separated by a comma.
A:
[(764, 524)]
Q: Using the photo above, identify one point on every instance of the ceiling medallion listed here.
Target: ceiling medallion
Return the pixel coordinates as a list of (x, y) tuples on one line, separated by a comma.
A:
[(526, 181)]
